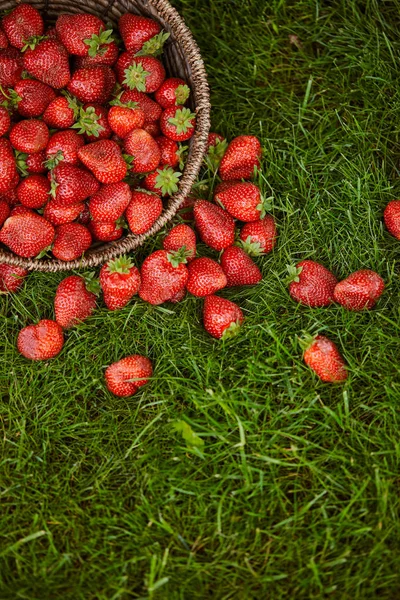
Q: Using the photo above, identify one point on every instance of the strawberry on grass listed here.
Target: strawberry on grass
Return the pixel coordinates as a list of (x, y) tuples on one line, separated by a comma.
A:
[(243, 201), (222, 318), (215, 226), (205, 277), (164, 275), (391, 217), (75, 300), (42, 341), (311, 284), (324, 358), (259, 237), (241, 158), (120, 281), (181, 237), (11, 278), (360, 290), (239, 268), (125, 377)]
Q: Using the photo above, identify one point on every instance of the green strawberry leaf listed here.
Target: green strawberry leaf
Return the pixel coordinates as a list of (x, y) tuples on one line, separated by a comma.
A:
[(182, 154), (88, 122), (135, 77), (182, 120), (251, 248), (182, 93), (54, 160), (179, 256), (33, 41), (155, 45), (167, 181), (120, 265), (215, 154), (21, 163), (98, 43), (294, 273), (231, 331)]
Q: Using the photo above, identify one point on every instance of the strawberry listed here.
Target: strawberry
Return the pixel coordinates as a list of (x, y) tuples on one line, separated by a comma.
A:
[(239, 267), (152, 110), (241, 158), (5, 121), (391, 217), (323, 357), (48, 62), (21, 210), (163, 181), (215, 226), (152, 128), (3, 39), (140, 144), (124, 117), (33, 191), (27, 235), (92, 84), (311, 284), (107, 53), (178, 124), (243, 201), (21, 23), (361, 290), (30, 136), (163, 276), (181, 236), (214, 139), (33, 97), (72, 185), (11, 67), (31, 164), (169, 151), (57, 214), (172, 92), (125, 377), (143, 211), (8, 169), (42, 341), (120, 281), (10, 196), (106, 232), (178, 297), (64, 146), (92, 120), (136, 31), (85, 217), (11, 278), (205, 277), (259, 237), (71, 241), (110, 202), (82, 34), (4, 211), (142, 73), (105, 160), (61, 112), (222, 318), (74, 301)]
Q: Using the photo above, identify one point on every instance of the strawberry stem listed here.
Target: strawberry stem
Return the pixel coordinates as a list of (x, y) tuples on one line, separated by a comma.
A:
[(135, 77), (182, 120), (231, 331), (121, 265), (179, 256), (88, 122), (167, 181), (155, 45), (98, 43)]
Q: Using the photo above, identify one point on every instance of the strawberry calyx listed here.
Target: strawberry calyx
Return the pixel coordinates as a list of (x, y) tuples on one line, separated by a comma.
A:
[(92, 283), (135, 77), (121, 223), (182, 120), (73, 103), (44, 253), (54, 160), (20, 161), (182, 93), (264, 206), (129, 160), (251, 248), (306, 340), (33, 41), (231, 331), (154, 46), (167, 181), (117, 102), (121, 265), (53, 185), (11, 98), (88, 122), (294, 273), (215, 154), (98, 43), (178, 257)]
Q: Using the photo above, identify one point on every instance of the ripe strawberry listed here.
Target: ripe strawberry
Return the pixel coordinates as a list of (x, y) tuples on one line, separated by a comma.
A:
[(169, 151), (71, 241), (34, 97), (4, 211), (110, 202), (10, 196), (215, 226), (151, 109), (181, 236), (63, 146), (85, 217), (105, 160), (72, 185), (239, 267), (30, 136), (172, 92), (21, 23), (222, 318), (5, 121), (259, 237), (391, 217), (240, 159), (120, 281), (27, 234), (142, 73), (106, 232), (124, 117), (11, 278), (243, 201), (3, 39), (311, 284), (152, 128), (74, 301), (33, 191), (11, 67), (107, 53), (31, 164), (214, 139), (361, 290), (323, 357), (125, 377), (92, 84), (144, 149), (81, 33), (163, 182), (178, 123), (21, 210), (42, 341), (92, 121), (48, 62), (57, 214), (178, 297), (61, 112), (136, 31), (143, 211), (205, 277), (8, 170), (163, 276)]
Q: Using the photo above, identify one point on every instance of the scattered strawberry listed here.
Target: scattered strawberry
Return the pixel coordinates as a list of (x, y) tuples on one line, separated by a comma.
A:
[(81, 33), (323, 357), (205, 277), (72, 185), (48, 62), (63, 146), (152, 110), (106, 232), (311, 284), (11, 278), (222, 318), (30, 136), (215, 226), (243, 201), (143, 211), (124, 117), (163, 276), (27, 235), (71, 241), (4, 211), (92, 84), (391, 217), (181, 236), (163, 181), (5, 121), (33, 191), (105, 160), (241, 158), (239, 267), (172, 92), (120, 281), (136, 31), (11, 67), (21, 23), (125, 377), (110, 202), (61, 112), (361, 290), (57, 214), (74, 301), (144, 149), (42, 341), (259, 237), (142, 73), (8, 169), (178, 123)]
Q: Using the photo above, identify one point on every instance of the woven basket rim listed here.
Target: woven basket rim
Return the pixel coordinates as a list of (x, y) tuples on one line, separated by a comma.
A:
[(106, 252)]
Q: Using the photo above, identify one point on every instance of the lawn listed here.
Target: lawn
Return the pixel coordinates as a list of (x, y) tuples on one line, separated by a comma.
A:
[(294, 490)]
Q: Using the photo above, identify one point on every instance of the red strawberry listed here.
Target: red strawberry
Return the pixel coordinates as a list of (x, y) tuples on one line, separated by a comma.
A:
[(107, 53), (142, 73), (31, 164), (323, 357), (124, 117), (120, 281), (125, 377), (92, 84), (239, 267), (163, 181), (3, 40), (222, 318), (30, 136), (144, 149), (169, 151), (64, 146), (392, 218), (11, 278), (74, 301), (163, 276), (71, 241), (27, 234), (71, 185), (92, 120), (5, 121), (172, 92), (4, 211), (143, 211), (106, 232), (81, 33), (10, 196), (21, 210), (311, 284), (110, 202), (61, 112), (11, 67), (181, 236), (48, 62), (42, 341), (8, 169), (85, 216), (151, 109), (243, 201), (178, 297), (57, 214), (21, 23), (136, 31), (35, 97), (215, 226), (153, 129), (105, 160), (214, 139), (33, 191), (240, 159), (361, 290), (259, 237), (178, 123), (205, 277)]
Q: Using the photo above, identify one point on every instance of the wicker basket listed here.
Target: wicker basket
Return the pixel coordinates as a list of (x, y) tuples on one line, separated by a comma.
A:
[(182, 59)]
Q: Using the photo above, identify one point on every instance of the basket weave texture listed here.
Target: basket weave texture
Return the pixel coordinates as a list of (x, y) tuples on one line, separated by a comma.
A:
[(181, 58)]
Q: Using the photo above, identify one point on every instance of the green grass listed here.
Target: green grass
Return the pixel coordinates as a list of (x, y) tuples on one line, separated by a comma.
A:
[(295, 490)]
